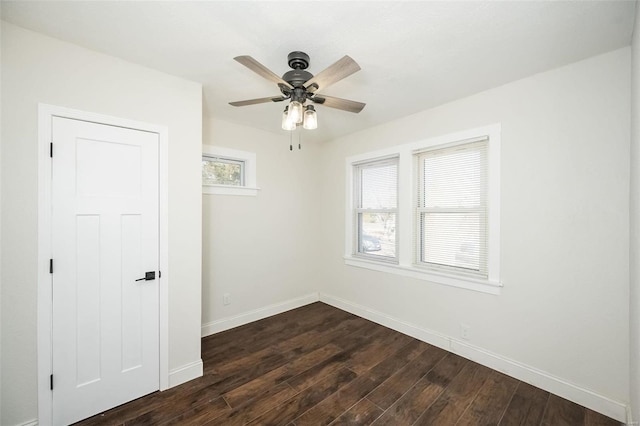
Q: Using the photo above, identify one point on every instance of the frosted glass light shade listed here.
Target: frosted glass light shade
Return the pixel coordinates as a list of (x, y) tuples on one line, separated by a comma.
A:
[(310, 118), (295, 112), (286, 123)]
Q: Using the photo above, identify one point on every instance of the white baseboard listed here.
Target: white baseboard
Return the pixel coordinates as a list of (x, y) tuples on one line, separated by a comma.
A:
[(33, 422), (257, 314), (187, 372), (585, 397)]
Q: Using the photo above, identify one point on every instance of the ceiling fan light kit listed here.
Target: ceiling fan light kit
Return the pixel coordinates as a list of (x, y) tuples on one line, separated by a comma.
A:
[(299, 86)]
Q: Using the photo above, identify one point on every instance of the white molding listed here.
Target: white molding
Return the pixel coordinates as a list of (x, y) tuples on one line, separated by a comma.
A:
[(257, 314), (187, 372), (33, 422), (45, 116), (583, 396), (229, 190), (630, 421)]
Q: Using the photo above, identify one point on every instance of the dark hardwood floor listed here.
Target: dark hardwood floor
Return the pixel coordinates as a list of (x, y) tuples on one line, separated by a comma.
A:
[(318, 365)]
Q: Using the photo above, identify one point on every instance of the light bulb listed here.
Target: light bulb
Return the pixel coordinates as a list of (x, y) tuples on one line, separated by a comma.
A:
[(295, 112), (286, 124), (310, 118)]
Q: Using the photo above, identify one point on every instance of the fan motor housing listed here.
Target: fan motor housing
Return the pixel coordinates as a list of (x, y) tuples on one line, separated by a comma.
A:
[(297, 77)]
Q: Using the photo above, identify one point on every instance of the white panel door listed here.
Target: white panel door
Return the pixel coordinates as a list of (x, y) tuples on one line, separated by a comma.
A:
[(105, 238)]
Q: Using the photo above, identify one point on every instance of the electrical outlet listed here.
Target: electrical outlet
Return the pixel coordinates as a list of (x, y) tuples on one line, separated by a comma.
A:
[(226, 299), (465, 331)]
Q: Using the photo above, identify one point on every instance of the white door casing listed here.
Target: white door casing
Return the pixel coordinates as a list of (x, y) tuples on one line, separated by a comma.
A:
[(101, 334)]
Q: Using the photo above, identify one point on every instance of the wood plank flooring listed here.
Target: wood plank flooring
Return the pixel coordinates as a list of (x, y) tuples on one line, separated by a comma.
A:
[(318, 365)]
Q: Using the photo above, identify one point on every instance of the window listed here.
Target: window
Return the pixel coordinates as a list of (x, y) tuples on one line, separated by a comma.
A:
[(376, 192), (222, 171), (452, 208), (429, 210), (228, 171)]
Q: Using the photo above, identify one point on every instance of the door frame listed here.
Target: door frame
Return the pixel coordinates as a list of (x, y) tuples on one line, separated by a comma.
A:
[(44, 292)]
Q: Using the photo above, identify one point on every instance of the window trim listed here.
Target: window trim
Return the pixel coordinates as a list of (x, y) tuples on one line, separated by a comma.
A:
[(248, 187), (407, 199)]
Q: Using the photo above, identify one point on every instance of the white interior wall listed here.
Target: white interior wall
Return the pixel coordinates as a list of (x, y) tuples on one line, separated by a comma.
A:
[(634, 317), (563, 310), (0, 216), (38, 69), (261, 250)]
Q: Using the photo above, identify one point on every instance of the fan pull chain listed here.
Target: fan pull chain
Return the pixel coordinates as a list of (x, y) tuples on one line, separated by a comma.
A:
[(299, 138), (290, 141)]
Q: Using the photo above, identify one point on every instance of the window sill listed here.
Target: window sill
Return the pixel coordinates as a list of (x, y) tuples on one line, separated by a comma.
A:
[(229, 190), (483, 286)]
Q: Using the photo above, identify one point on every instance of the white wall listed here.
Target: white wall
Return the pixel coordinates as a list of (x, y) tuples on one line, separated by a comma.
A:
[(37, 69), (564, 309), (634, 318), (0, 217), (261, 250)]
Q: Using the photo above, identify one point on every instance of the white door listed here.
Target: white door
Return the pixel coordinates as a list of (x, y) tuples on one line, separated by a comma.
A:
[(105, 237)]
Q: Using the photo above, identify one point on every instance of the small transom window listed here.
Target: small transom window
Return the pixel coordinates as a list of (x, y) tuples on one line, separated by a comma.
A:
[(222, 171)]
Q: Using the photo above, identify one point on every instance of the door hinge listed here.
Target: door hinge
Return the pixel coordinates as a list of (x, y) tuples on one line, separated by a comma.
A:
[(51, 150), (51, 266), (51, 381), (159, 274)]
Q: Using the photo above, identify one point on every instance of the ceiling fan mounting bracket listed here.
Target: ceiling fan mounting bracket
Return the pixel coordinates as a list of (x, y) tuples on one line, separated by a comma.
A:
[(298, 60)]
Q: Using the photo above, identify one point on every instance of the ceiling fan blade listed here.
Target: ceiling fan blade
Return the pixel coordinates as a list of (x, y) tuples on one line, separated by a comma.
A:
[(343, 104), (336, 72), (261, 70), (257, 101)]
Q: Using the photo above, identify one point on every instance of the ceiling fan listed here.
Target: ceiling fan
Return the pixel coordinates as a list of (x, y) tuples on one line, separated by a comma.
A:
[(300, 86)]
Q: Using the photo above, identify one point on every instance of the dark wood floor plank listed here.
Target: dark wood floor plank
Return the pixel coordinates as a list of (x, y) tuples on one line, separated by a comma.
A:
[(446, 370), (406, 410), (423, 393), (457, 397), (379, 349), (364, 412), (318, 371), (491, 402), (179, 404), (320, 365), (396, 360), (561, 412), (281, 374), (399, 383), (300, 403), (255, 407), (351, 341), (397, 354), (591, 418), (200, 414), (334, 405), (526, 407)]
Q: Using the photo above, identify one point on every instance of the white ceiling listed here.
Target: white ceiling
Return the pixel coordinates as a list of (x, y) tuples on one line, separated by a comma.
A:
[(414, 55)]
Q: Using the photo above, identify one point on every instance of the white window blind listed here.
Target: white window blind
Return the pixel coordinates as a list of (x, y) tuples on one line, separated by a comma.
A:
[(375, 215), (451, 215)]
